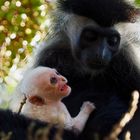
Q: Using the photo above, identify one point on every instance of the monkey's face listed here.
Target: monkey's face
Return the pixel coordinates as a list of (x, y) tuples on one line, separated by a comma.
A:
[(50, 83), (90, 26), (45, 82), (92, 45), (97, 46), (57, 85)]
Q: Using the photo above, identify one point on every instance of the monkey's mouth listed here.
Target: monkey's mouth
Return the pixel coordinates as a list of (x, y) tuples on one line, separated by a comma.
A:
[(65, 90), (97, 65), (64, 87)]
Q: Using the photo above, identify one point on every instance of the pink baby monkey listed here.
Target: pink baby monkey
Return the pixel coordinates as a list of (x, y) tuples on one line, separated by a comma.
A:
[(44, 88)]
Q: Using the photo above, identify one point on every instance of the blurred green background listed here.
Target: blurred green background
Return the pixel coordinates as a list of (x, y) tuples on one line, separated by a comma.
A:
[(23, 24)]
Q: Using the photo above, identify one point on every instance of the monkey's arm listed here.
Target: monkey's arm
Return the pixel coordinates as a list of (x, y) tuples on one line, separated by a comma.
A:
[(80, 120), (77, 123)]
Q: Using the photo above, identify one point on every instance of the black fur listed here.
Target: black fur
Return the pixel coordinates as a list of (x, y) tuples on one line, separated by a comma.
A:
[(19, 126), (104, 12)]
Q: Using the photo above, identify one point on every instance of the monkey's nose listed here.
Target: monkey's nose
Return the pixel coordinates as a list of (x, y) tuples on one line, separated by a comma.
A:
[(63, 79)]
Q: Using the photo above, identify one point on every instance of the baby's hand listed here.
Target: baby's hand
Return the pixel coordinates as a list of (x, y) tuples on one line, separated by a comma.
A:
[(88, 107)]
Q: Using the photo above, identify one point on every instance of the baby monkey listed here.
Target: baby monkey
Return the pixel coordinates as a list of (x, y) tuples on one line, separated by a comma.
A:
[(44, 89)]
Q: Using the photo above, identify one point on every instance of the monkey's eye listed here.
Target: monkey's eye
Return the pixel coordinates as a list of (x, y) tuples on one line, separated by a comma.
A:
[(57, 73), (113, 40), (53, 80)]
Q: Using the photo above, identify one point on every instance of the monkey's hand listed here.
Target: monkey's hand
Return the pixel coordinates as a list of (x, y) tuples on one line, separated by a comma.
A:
[(88, 107)]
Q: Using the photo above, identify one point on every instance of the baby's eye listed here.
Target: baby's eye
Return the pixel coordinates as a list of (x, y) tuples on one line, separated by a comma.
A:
[(53, 80), (57, 73)]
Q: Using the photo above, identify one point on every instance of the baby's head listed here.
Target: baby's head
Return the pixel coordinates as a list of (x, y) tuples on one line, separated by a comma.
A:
[(45, 83)]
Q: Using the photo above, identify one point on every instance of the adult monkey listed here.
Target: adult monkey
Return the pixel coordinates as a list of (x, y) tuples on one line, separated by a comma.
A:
[(99, 62)]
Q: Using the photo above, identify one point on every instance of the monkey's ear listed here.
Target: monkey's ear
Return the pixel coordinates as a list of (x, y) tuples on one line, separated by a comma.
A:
[(36, 100)]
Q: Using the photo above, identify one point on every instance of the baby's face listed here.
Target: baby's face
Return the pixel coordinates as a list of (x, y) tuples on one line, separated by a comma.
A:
[(50, 82), (57, 83)]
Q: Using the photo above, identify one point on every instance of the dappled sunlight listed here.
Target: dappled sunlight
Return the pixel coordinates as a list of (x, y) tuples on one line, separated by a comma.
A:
[(23, 24)]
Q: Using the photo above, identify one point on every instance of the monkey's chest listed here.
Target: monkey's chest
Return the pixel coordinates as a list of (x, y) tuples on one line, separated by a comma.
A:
[(47, 114)]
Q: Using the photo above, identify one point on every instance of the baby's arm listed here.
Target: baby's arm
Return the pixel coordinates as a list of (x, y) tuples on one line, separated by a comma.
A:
[(80, 120), (77, 124)]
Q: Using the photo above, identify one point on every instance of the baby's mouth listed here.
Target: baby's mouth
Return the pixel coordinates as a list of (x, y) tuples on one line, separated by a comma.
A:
[(64, 87)]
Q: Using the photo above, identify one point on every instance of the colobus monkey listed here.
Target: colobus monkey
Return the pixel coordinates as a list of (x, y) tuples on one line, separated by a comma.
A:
[(95, 44), (44, 89)]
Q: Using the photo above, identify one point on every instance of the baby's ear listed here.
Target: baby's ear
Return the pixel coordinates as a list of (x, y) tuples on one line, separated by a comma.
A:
[(36, 100)]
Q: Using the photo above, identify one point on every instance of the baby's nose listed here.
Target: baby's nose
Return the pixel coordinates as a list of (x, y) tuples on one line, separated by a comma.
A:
[(63, 79)]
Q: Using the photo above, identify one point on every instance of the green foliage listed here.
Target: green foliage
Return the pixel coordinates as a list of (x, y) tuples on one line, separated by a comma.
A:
[(137, 2), (22, 25), (20, 22)]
